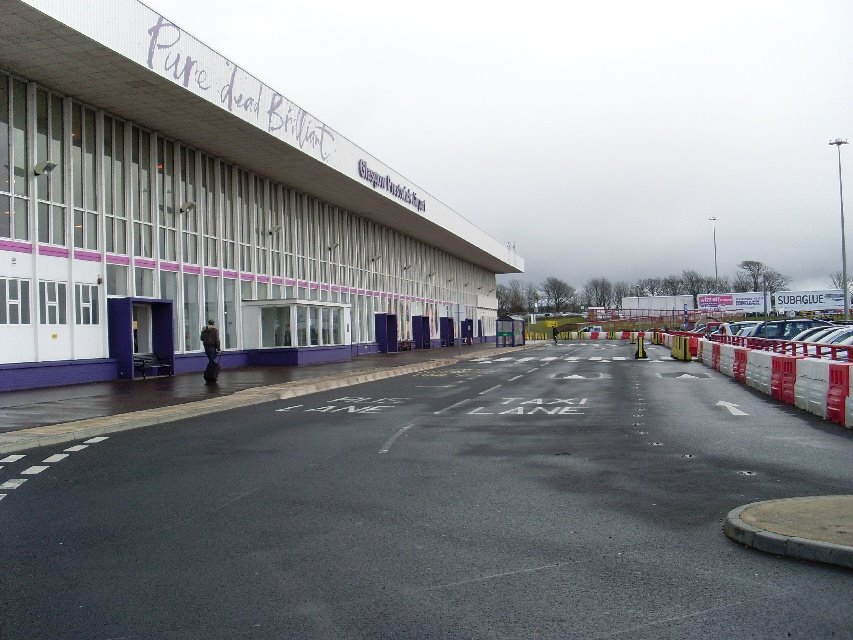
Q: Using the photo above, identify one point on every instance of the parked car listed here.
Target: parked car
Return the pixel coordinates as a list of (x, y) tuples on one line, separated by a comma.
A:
[(813, 333), (786, 329), (593, 328)]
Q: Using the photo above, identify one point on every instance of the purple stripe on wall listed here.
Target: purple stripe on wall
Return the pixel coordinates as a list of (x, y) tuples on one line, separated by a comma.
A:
[(276, 280), (17, 247), (211, 271), (263, 279), (248, 277), (32, 375), (169, 266), (143, 262), (124, 260), (192, 269), (227, 273), (87, 256), (289, 282), (57, 252)]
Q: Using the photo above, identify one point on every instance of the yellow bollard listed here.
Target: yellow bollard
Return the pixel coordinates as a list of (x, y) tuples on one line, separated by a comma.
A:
[(641, 352)]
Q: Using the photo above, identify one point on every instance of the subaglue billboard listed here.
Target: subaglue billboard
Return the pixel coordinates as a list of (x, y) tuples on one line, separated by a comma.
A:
[(809, 300)]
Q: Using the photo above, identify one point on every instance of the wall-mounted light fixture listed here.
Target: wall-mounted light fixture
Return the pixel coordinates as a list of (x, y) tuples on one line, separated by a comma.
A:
[(466, 284), (376, 259), (275, 230), (100, 280), (334, 246), (451, 280), (187, 207), (45, 166), (406, 268)]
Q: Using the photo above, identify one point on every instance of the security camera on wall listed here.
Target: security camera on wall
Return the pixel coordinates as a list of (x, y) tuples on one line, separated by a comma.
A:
[(275, 229)]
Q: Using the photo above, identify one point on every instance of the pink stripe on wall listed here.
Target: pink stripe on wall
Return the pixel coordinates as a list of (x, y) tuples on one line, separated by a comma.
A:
[(277, 280), (263, 279), (17, 247), (211, 271), (192, 269), (112, 259), (248, 277), (169, 266), (56, 252), (227, 273), (88, 256), (143, 262)]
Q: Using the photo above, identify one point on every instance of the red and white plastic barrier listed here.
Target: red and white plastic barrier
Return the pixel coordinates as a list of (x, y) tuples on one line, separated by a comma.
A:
[(820, 386)]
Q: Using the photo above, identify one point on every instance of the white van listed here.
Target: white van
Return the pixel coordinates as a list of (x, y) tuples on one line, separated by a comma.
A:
[(593, 328)]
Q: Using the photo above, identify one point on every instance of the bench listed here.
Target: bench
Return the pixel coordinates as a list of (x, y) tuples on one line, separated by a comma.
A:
[(406, 345), (148, 362)]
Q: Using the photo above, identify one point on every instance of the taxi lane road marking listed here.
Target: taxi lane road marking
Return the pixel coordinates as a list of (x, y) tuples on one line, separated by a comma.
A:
[(390, 441), (461, 402)]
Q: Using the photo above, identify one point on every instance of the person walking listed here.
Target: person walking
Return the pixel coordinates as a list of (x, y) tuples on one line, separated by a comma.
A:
[(556, 333), (210, 342)]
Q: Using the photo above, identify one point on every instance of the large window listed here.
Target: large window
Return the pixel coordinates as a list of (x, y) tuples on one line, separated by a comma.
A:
[(50, 186), (207, 202), (14, 301), (190, 215), (275, 327), (166, 199), (86, 304), (229, 289), (14, 176), (53, 307), (192, 324), (140, 184), (115, 236), (84, 178)]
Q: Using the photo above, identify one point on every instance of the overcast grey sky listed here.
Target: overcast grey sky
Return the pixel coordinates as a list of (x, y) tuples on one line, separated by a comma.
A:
[(599, 137)]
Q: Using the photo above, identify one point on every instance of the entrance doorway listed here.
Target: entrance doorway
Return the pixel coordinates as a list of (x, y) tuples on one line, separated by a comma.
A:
[(142, 328)]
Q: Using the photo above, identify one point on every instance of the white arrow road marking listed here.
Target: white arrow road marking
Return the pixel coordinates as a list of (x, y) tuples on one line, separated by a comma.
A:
[(732, 408), (296, 406), (686, 376)]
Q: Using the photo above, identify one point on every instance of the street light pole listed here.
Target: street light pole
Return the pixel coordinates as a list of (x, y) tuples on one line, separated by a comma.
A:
[(716, 273), (838, 142)]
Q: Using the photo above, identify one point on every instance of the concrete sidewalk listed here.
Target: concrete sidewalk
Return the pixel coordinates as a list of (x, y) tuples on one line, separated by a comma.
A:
[(54, 415), (817, 528)]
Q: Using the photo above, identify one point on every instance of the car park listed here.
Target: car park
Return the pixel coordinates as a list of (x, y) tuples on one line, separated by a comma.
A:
[(813, 334)]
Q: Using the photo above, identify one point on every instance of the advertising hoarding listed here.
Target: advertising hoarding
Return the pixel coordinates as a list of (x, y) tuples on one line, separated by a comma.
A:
[(809, 300), (748, 301)]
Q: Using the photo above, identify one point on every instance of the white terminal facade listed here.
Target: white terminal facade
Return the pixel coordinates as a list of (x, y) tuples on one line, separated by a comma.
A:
[(148, 184)]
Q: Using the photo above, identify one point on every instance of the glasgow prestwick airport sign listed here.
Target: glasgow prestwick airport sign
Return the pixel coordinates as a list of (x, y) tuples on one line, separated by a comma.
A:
[(384, 182)]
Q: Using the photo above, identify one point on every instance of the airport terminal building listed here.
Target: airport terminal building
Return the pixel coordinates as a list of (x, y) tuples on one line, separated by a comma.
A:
[(148, 184)]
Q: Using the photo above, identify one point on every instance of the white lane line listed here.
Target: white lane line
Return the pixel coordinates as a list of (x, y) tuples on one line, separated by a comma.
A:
[(434, 386), (497, 386), (532, 370), (595, 358), (526, 359), (461, 402), (296, 406), (390, 441), (12, 458), (56, 458), (77, 447), (34, 470), (13, 484), (549, 359), (515, 378), (96, 440)]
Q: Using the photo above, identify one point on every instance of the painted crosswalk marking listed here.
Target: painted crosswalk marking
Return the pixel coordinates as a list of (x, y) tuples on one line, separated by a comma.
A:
[(56, 458), (34, 470), (12, 458), (96, 440), (13, 484), (77, 447)]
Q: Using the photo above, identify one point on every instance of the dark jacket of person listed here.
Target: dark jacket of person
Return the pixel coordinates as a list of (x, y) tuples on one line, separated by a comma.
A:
[(210, 338)]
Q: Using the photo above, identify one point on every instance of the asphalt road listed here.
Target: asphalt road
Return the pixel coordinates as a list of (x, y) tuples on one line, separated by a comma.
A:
[(562, 492)]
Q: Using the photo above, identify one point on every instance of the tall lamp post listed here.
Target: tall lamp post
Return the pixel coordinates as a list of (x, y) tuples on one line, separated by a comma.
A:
[(716, 273), (838, 142)]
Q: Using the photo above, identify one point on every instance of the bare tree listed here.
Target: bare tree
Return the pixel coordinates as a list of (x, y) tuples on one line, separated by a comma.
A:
[(671, 285), (693, 282), (598, 292), (502, 294), (755, 272), (531, 297), (558, 293), (650, 286), (741, 283), (515, 297), (622, 289)]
